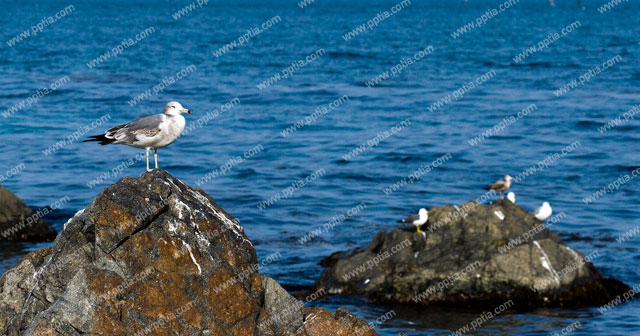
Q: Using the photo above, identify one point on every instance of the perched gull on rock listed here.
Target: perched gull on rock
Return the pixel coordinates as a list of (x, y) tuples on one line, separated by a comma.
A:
[(148, 132), (417, 220), (501, 186), (512, 197), (543, 212)]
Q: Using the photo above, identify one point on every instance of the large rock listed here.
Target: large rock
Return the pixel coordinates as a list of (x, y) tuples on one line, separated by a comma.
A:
[(471, 255), (19, 223), (152, 256)]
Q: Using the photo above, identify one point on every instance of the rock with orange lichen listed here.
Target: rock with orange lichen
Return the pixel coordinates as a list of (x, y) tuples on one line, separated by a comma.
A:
[(153, 256), (319, 321)]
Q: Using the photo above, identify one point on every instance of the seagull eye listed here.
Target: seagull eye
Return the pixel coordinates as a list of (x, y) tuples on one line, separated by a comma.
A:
[(173, 107)]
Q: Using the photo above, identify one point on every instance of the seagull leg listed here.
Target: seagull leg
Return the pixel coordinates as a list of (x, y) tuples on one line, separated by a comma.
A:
[(418, 227), (155, 156), (147, 149), (501, 195)]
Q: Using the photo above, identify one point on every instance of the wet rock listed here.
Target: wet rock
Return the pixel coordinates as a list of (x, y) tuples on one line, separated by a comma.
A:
[(19, 223), (319, 321), (152, 256), (468, 256)]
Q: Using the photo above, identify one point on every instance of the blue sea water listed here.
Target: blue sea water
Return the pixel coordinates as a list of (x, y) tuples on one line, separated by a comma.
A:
[(65, 47)]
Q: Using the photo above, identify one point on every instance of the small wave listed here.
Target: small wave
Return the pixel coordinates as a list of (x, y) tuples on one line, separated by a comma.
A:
[(242, 173), (588, 124), (508, 137), (352, 176), (623, 168), (533, 65), (348, 54), (399, 157)]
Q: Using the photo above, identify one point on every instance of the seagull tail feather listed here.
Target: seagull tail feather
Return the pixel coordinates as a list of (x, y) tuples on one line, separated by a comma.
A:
[(101, 138)]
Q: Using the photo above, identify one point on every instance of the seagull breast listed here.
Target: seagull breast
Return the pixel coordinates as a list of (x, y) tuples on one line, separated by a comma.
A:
[(170, 130)]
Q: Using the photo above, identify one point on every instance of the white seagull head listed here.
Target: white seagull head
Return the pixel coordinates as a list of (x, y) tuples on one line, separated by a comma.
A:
[(507, 178), (423, 212), (174, 109)]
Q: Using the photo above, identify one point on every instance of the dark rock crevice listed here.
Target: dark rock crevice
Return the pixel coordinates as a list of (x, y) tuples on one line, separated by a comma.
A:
[(145, 224)]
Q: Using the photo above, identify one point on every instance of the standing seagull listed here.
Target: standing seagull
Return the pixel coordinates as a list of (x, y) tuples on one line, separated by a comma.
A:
[(417, 220), (543, 212), (148, 132), (501, 186)]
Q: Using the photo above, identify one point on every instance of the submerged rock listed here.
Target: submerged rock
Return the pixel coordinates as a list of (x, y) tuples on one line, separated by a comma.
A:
[(471, 255), (152, 256), (19, 223)]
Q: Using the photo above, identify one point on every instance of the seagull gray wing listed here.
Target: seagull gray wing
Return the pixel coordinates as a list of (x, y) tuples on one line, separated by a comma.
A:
[(410, 219), (496, 186), (537, 211), (148, 125)]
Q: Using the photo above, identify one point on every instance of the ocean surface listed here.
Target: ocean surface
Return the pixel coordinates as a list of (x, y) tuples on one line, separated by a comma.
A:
[(257, 158)]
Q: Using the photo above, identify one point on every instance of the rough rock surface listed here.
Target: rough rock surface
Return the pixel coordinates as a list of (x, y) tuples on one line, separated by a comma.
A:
[(19, 223), (152, 256), (465, 258)]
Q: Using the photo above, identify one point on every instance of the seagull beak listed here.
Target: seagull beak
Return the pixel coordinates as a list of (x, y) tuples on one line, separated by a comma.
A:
[(185, 111)]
